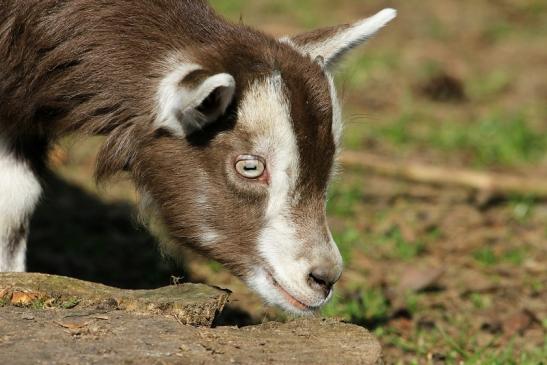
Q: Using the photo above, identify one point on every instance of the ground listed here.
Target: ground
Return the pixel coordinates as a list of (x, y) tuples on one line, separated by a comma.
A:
[(439, 274), (69, 321)]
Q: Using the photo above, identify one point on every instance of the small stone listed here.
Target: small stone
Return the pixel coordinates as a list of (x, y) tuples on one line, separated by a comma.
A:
[(27, 316)]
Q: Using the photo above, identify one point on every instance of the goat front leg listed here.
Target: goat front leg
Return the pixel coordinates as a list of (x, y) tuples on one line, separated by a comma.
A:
[(19, 193)]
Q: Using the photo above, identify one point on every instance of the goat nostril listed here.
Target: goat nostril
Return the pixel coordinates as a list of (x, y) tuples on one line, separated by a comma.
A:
[(320, 281)]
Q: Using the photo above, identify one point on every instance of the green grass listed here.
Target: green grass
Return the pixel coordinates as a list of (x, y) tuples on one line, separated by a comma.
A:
[(343, 199), (392, 245), (537, 287), (455, 349), (39, 303), (358, 70), (367, 306), (305, 13), (230, 8), (497, 31), (347, 241), (522, 207), (70, 303), (515, 256), (480, 301), (485, 256), (501, 139), (497, 140), (485, 86), (508, 356)]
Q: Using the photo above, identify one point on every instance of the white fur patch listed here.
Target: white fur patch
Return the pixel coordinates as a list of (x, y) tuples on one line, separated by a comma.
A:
[(169, 99), (337, 125), (19, 193), (177, 104), (209, 236)]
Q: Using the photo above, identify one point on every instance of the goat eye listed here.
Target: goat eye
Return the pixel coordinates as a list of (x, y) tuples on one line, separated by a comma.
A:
[(250, 167)]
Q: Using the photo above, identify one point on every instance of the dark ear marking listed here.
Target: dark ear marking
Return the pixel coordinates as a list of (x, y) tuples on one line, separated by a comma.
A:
[(190, 98), (209, 104)]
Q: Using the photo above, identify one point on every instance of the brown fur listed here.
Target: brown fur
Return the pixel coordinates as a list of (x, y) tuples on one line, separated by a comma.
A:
[(93, 66), (318, 35)]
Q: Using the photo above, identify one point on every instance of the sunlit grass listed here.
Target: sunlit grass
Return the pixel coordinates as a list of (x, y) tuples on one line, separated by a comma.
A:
[(365, 306), (502, 139), (358, 69), (486, 256), (522, 207), (305, 14), (343, 199), (489, 85), (347, 241), (231, 8), (480, 301)]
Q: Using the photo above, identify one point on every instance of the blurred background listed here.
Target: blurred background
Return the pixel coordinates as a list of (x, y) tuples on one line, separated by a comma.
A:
[(440, 271)]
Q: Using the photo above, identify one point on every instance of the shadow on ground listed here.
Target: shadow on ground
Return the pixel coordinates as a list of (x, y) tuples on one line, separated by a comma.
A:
[(75, 234)]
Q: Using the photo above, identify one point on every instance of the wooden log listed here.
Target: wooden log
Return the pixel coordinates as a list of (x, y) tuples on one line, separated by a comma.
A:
[(57, 320)]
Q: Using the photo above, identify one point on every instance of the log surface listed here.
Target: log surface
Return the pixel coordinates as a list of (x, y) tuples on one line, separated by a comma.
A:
[(47, 319)]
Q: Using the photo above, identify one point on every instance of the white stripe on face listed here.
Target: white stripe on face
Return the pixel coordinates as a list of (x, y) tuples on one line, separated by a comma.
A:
[(265, 114)]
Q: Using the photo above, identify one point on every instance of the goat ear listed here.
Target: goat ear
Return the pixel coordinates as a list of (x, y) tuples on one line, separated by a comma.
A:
[(190, 98), (328, 45)]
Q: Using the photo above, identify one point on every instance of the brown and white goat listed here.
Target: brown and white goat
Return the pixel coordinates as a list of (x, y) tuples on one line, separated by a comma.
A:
[(230, 134)]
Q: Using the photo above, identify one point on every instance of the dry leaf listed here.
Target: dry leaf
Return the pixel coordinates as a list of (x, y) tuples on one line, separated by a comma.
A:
[(23, 298), (416, 279), (73, 325)]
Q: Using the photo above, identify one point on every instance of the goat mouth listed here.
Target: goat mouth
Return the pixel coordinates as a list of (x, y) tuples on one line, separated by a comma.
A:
[(288, 297)]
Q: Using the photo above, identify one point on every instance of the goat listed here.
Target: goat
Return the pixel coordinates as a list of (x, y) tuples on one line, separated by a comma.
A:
[(230, 135)]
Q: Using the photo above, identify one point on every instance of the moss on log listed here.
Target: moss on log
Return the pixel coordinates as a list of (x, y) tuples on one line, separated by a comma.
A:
[(192, 304)]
